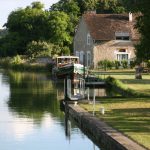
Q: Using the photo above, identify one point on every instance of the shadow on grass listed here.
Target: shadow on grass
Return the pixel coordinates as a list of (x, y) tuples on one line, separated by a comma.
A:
[(136, 81), (121, 100), (129, 120)]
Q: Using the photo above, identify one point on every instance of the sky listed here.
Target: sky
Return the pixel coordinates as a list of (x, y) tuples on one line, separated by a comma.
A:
[(7, 6)]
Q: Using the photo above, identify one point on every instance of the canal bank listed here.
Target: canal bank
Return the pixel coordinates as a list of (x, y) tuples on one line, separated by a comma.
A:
[(100, 132)]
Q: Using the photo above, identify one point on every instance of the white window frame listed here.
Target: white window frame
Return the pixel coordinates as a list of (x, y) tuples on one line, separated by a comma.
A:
[(123, 53)]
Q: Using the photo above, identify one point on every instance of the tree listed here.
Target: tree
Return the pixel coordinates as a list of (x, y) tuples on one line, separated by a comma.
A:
[(38, 48), (71, 8), (27, 24), (142, 7), (58, 23), (110, 6)]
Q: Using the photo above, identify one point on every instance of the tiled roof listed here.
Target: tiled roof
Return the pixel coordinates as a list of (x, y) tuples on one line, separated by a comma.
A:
[(104, 26)]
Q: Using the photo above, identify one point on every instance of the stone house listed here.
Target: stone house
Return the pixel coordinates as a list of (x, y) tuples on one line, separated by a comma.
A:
[(105, 36)]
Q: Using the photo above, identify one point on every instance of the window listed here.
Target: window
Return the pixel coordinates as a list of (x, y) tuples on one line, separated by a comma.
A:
[(122, 54), (81, 57), (88, 58), (77, 54), (121, 57), (122, 36), (122, 50), (88, 39)]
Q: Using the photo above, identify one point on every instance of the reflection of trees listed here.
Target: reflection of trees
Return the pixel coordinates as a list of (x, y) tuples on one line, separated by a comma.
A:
[(32, 95)]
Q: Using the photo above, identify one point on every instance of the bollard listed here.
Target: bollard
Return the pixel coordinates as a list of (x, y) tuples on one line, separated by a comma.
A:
[(75, 103), (102, 110)]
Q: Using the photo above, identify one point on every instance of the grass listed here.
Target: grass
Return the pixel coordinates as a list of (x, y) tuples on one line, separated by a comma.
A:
[(129, 115), (128, 78), (141, 86)]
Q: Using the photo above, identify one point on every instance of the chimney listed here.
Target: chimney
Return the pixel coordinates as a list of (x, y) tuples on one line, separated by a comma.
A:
[(130, 17)]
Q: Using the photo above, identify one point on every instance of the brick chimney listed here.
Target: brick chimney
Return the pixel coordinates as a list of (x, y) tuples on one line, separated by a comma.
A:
[(130, 17)]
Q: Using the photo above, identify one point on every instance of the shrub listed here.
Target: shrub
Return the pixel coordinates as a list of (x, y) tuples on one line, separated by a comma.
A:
[(39, 48), (132, 64), (105, 64), (148, 63), (124, 63), (116, 64), (16, 60)]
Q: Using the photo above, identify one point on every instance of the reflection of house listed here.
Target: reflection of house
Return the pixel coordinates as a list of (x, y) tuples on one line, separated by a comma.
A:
[(105, 36)]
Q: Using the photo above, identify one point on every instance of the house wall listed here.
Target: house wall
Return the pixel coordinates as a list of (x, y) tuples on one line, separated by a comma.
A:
[(109, 49), (80, 41), (100, 51)]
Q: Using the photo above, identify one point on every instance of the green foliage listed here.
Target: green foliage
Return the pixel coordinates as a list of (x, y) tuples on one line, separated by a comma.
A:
[(143, 26), (39, 48), (117, 64), (124, 64), (37, 5), (148, 63), (110, 6), (121, 88), (132, 64), (105, 64), (16, 60), (58, 23)]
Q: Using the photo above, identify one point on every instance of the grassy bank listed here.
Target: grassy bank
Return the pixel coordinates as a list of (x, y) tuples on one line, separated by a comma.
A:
[(126, 90), (24, 65), (139, 85), (129, 115), (127, 77)]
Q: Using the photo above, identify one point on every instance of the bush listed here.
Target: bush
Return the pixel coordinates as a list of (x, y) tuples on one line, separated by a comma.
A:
[(39, 48), (132, 64), (124, 63), (148, 63), (117, 64), (16, 60), (105, 64)]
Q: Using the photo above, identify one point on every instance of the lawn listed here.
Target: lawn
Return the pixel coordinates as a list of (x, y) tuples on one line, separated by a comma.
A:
[(142, 86), (128, 78), (131, 116)]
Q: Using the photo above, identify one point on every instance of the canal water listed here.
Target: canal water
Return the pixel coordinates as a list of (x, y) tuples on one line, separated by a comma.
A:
[(31, 118)]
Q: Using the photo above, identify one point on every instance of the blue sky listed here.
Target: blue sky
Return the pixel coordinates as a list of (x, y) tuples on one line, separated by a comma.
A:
[(6, 6)]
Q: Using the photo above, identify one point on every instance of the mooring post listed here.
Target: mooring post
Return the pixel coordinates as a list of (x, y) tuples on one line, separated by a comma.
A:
[(65, 90), (88, 93), (94, 102)]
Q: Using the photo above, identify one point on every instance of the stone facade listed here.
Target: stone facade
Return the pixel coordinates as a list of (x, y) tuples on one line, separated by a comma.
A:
[(80, 43), (92, 48), (109, 49)]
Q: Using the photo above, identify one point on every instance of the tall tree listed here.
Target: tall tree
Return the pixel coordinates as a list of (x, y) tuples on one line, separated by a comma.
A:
[(58, 23), (71, 8), (142, 7), (110, 6)]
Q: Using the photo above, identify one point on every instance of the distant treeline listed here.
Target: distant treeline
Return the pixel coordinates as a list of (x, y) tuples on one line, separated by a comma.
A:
[(34, 31)]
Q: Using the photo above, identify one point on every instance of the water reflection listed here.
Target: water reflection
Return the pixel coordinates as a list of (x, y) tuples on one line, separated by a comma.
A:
[(32, 95), (31, 116)]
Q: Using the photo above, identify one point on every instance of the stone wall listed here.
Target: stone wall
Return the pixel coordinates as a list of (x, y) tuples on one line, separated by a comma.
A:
[(103, 135), (108, 50)]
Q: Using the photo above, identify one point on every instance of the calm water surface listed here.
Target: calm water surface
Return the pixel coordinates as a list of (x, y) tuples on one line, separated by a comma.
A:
[(30, 115)]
